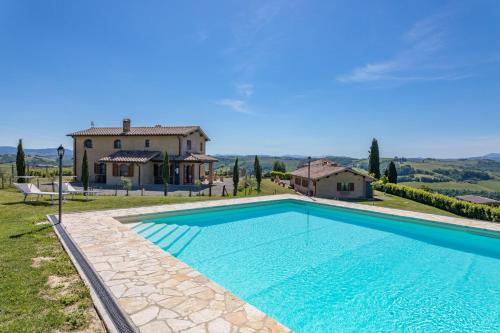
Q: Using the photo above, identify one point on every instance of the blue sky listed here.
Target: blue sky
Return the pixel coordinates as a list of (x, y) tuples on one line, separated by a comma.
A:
[(266, 77)]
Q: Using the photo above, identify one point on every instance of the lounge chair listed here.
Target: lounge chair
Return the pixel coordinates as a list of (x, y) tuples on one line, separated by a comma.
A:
[(68, 188), (30, 189)]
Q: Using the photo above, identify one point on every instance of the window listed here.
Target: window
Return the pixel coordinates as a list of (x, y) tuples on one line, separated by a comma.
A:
[(345, 187), (188, 143), (117, 144), (201, 147), (124, 170), (100, 168), (297, 181), (146, 143), (87, 143), (304, 182)]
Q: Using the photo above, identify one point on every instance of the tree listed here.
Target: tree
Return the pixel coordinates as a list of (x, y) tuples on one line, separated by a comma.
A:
[(258, 172), (374, 160), (279, 166), (392, 173), (165, 172), (85, 171), (20, 162), (236, 177)]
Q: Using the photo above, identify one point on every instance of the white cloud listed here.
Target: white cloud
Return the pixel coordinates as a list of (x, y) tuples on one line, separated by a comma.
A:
[(235, 105), (245, 89), (416, 61)]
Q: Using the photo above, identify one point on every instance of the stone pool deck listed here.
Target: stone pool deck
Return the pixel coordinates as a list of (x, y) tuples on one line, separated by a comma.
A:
[(159, 293)]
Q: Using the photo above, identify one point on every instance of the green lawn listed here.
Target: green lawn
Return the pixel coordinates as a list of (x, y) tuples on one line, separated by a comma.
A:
[(392, 201), (27, 302)]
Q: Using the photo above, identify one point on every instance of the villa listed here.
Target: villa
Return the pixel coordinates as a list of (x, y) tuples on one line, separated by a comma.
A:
[(330, 180), (138, 153)]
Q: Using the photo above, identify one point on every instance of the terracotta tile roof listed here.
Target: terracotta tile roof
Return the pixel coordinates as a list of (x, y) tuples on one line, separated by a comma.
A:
[(324, 168), (130, 156), (195, 158), (134, 131)]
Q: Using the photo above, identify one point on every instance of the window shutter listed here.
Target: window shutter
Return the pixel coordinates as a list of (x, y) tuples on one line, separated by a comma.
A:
[(351, 187), (339, 187), (115, 170), (131, 170), (96, 168)]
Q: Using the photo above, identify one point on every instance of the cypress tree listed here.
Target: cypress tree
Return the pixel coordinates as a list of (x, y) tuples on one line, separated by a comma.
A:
[(374, 160), (392, 173), (258, 172), (85, 172), (20, 162), (165, 173), (236, 177)]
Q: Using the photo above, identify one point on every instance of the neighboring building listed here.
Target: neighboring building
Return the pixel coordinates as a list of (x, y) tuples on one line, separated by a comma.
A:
[(138, 153), (479, 200), (330, 180)]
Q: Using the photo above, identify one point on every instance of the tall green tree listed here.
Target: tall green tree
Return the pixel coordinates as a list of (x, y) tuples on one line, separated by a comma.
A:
[(20, 162), (392, 173), (165, 172), (374, 160), (236, 177), (85, 171), (279, 166), (257, 171)]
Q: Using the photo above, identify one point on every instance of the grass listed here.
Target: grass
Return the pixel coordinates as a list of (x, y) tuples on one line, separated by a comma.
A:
[(392, 201), (27, 302)]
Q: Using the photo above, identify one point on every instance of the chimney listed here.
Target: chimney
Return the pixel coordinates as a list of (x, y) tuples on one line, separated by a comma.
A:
[(126, 125)]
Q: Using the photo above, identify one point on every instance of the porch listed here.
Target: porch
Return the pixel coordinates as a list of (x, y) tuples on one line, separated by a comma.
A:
[(146, 168)]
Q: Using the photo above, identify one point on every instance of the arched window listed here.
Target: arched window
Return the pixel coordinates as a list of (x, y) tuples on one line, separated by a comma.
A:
[(124, 170), (117, 144), (87, 143)]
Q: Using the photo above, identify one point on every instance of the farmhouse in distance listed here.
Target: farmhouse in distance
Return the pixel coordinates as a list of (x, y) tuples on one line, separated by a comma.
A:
[(330, 180), (138, 153)]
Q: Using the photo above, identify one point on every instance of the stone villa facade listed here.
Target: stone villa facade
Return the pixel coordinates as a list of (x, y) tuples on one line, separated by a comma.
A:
[(138, 153)]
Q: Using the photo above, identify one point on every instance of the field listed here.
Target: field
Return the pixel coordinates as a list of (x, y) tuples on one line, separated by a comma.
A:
[(452, 177)]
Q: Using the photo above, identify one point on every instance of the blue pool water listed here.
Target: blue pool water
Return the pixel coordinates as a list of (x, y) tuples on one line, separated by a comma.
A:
[(325, 269)]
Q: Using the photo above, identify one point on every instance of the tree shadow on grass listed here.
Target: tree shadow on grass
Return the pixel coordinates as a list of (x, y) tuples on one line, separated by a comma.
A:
[(30, 232), (30, 203)]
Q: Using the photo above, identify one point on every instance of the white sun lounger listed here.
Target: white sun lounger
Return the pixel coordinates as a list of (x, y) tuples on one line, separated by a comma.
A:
[(30, 189), (68, 188)]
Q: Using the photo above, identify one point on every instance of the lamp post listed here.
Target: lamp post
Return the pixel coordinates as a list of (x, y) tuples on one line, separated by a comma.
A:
[(60, 153), (309, 176)]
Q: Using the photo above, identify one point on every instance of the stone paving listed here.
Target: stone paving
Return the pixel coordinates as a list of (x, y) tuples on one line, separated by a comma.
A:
[(160, 293)]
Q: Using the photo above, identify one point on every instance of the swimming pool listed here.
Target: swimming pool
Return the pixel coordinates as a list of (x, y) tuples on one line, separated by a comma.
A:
[(318, 268)]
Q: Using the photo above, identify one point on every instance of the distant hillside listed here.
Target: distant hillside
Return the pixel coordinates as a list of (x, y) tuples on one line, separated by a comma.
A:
[(492, 156), (9, 150), (266, 161)]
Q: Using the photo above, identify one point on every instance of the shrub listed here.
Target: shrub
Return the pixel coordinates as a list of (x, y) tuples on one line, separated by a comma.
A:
[(281, 175), (453, 205)]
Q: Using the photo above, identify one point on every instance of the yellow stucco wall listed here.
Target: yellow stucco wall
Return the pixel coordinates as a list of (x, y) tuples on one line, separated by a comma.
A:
[(327, 187)]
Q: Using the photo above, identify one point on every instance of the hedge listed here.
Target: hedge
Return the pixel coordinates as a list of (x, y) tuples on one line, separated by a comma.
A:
[(453, 205), (281, 175)]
